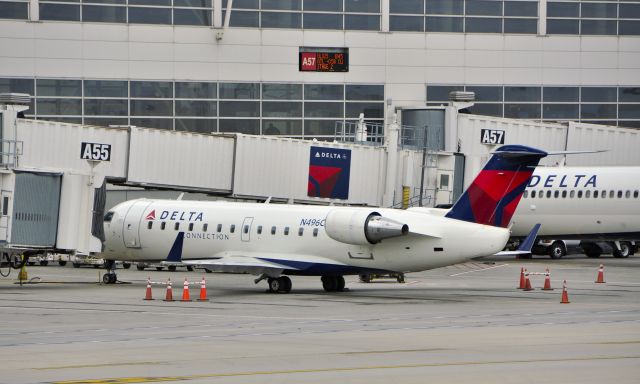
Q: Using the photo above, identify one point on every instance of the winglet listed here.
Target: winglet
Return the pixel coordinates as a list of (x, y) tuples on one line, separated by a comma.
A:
[(494, 195)]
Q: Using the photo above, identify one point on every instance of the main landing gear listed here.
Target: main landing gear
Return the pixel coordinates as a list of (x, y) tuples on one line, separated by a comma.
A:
[(110, 277), (333, 283), (280, 284)]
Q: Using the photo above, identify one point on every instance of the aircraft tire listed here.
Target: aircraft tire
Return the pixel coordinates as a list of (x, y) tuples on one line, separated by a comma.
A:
[(557, 250), (76, 265), (62, 263), (140, 267), (365, 278), (172, 268), (109, 278), (340, 283), (275, 284), (329, 283), (624, 252), (44, 262), (126, 265), (286, 284)]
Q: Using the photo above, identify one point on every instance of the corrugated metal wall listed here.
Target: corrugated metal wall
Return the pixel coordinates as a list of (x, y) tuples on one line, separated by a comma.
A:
[(268, 166), (35, 209), (168, 158), (622, 145)]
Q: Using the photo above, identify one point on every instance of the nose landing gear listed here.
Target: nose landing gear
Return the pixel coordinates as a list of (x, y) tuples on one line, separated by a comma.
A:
[(110, 277)]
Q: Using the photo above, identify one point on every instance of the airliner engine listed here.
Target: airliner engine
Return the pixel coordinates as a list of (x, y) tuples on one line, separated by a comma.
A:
[(361, 226)]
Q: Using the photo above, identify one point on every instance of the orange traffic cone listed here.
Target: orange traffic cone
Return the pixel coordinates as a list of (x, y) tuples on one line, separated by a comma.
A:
[(600, 278), (169, 296), (185, 291), (148, 296), (527, 282), (547, 281), (522, 283), (203, 291), (565, 296)]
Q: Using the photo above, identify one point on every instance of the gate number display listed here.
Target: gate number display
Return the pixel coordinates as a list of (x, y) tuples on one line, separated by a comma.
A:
[(491, 136), (95, 151)]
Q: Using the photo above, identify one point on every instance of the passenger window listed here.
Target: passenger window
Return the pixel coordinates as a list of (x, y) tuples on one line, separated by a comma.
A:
[(163, 225), (612, 194), (572, 194), (595, 194), (603, 194), (232, 228), (635, 194), (190, 227), (273, 230), (525, 194), (564, 194), (548, 194), (219, 229), (286, 231), (619, 194), (579, 194), (150, 224), (540, 194), (259, 229), (533, 194), (627, 194), (315, 232), (556, 194), (176, 226), (300, 231), (587, 194), (245, 229), (205, 227)]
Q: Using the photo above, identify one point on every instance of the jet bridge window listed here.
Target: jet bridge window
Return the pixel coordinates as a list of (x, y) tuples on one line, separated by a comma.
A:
[(163, 225), (286, 231), (190, 227), (259, 229), (232, 228), (176, 226), (273, 230), (150, 224)]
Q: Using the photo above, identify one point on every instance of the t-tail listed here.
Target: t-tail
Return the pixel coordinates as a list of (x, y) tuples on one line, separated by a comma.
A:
[(494, 195)]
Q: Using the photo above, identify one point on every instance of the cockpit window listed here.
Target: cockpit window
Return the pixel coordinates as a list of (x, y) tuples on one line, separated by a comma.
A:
[(108, 216)]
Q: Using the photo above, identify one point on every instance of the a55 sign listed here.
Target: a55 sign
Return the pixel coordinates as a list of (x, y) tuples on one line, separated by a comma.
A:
[(491, 136), (95, 151)]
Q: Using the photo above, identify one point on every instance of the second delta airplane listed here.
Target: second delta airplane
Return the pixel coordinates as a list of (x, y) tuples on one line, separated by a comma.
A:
[(274, 241)]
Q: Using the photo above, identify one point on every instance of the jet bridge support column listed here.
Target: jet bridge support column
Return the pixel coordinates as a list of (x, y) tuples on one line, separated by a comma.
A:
[(392, 131)]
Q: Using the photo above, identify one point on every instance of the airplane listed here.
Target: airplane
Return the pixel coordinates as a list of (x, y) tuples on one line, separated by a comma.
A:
[(275, 241), (582, 203)]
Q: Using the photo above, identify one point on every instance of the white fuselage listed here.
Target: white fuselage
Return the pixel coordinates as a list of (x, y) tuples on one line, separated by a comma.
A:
[(218, 229), (581, 203)]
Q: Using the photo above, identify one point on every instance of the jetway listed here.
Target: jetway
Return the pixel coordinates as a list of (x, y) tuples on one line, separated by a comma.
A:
[(53, 175)]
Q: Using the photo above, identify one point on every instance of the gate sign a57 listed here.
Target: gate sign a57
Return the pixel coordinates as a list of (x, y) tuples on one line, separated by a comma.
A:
[(95, 151), (491, 136)]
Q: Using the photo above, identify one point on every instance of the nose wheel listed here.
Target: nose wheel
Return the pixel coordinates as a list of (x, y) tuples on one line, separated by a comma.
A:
[(110, 277)]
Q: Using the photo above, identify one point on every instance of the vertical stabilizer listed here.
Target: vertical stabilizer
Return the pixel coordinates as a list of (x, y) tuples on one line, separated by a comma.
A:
[(494, 195)]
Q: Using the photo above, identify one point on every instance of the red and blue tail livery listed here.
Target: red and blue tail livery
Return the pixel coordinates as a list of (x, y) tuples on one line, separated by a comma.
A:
[(493, 196)]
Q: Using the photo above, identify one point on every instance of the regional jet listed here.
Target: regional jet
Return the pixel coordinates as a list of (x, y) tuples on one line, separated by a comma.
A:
[(275, 241)]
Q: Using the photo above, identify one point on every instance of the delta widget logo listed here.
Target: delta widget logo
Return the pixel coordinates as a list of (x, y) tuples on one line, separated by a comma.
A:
[(151, 215)]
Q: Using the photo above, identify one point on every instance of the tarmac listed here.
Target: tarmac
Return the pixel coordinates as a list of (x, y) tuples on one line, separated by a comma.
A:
[(466, 323)]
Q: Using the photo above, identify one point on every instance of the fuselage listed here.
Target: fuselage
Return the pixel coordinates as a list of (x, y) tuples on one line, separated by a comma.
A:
[(581, 203), (147, 230)]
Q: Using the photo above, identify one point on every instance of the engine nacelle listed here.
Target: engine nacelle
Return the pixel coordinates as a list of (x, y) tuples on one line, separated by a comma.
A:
[(361, 226)]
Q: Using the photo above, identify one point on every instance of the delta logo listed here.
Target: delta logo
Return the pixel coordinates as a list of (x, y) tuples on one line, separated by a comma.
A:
[(151, 215)]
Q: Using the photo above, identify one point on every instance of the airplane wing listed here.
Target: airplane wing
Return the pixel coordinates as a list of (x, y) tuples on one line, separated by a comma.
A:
[(263, 263)]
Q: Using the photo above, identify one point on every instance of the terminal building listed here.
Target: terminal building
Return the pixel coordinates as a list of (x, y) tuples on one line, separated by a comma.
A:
[(213, 96)]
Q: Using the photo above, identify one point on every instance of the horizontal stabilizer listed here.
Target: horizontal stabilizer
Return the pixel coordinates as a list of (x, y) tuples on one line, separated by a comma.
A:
[(526, 246)]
